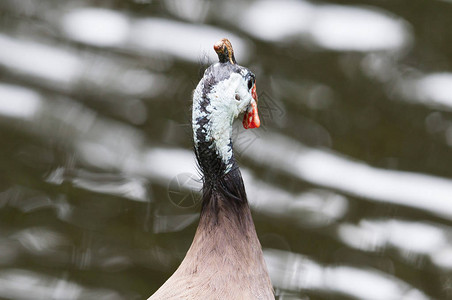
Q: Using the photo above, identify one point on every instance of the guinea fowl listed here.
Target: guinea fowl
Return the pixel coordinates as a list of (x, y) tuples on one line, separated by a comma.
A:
[(225, 260)]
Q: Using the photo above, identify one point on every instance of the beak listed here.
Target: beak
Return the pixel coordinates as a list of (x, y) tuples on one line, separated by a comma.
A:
[(251, 118)]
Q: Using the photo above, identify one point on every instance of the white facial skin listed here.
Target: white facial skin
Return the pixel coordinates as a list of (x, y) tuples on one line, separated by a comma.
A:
[(223, 109)]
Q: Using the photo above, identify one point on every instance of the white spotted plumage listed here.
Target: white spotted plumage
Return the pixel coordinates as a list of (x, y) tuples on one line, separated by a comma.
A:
[(222, 108)]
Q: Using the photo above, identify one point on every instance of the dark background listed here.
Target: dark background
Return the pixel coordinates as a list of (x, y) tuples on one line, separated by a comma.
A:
[(349, 176)]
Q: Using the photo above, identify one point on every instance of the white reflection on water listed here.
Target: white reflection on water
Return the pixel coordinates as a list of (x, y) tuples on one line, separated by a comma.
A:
[(296, 272), (407, 237), (163, 164), (24, 284), (102, 27), (277, 20), (191, 10), (183, 40), (330, 169), (131, 188), (335, 27), (65, 69), (39, 240), (360, 29), (28, 200), (312, 208), (96, 26), (435, 88), (71, 122), (430, 89), (39, 60), (18, 102)]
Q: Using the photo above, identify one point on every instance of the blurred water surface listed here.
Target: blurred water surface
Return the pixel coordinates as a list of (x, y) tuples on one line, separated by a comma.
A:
[(349, 178)]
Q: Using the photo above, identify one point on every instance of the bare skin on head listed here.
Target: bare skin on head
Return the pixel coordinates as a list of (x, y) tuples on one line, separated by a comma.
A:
[(224, 50)]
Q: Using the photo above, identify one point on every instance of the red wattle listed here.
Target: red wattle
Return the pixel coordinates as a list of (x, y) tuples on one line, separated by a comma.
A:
[(251, 119)]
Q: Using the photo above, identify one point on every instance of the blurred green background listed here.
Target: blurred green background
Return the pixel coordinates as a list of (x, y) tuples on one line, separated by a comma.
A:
[(349, 177)]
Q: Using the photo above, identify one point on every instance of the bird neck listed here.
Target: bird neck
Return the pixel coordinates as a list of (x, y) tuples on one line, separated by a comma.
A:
[(213, 114), (223, 188), (226, 253), (214, 152), (226, 222), (225, 197), (212, 134)]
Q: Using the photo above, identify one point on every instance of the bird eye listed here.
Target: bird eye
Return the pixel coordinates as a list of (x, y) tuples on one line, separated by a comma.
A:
[(251, 80)]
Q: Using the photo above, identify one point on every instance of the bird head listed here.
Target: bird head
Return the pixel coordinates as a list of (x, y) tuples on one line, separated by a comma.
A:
[(229, 88), (225, 91), (243, 84)]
